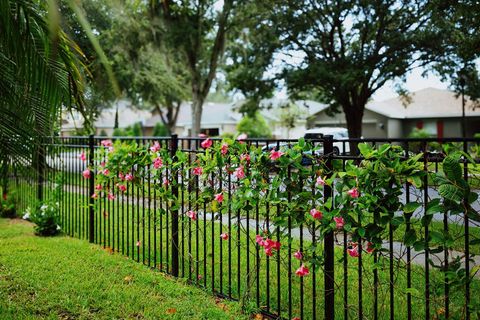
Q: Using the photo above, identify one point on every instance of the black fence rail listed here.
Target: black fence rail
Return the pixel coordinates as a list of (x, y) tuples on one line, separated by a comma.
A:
[(219, 251)]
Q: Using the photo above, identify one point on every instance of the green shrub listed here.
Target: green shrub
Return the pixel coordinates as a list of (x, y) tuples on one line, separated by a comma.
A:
[(46, 218), (254, 127), (160, 130), (7, 207)]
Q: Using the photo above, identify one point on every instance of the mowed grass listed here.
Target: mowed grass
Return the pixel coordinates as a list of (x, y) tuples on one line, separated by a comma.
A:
[(67, 278), (206, 261)]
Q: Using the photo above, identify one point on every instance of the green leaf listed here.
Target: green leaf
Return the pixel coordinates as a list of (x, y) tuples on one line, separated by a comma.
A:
[(450, 192), (410, 237), (452, 168), (365, 149), (411, 207)]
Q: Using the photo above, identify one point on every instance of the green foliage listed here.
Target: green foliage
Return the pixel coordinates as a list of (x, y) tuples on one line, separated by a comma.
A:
[(160, 130), (46, 219), (103, 133), (255, 126), (118, 132), (35, 83), (8, 206)]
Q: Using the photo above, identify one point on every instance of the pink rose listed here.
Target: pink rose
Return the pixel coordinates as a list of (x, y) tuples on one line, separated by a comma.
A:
[(157, 163), (106, 143), (224, 149), (239, 173), (320, 181), (192, 215), (298, 255), (197, 171), (353, 193), (139, 243), (316, 214), (219, 197), (207, 143), (302, 271), (121, 176), (339, 222), (129, 177), (111, 196), (98, 187), (94, 196), (155, 147), (122, 187), (274, 155), (245, 157), (224, 236), (86, 173), (353, 252), (82, 156)]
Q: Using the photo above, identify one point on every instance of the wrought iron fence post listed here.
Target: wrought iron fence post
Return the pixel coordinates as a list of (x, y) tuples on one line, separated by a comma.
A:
[(40, 169), (91, 188), (174, 212), (329, 240)]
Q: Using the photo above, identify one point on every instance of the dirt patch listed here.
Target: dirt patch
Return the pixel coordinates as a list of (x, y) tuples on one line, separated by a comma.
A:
[(19, 221)]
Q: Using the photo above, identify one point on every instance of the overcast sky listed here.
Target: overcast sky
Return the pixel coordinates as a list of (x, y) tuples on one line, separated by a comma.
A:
[(415, 82)]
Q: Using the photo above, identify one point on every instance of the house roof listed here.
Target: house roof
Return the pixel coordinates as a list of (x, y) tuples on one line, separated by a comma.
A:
[(216, 114), (127, 115), (425, 103)]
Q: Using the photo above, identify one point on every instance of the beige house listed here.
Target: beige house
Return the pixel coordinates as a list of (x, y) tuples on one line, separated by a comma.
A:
[(220, 118), (439, 112)]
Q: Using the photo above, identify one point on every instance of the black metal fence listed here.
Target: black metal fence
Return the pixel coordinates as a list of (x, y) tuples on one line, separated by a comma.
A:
[(396, 282)]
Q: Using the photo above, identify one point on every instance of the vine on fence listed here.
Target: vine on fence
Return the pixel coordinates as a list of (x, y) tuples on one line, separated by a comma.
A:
[(366, 204)]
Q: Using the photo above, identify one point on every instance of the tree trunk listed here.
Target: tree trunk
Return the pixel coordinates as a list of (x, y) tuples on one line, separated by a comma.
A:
[(354, 117), (197, 106)]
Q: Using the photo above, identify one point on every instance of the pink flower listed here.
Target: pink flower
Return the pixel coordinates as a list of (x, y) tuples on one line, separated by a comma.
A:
[(259, 239), (157, 163), (98, 187), (353, 252), (110, 149), (106, 143), (316, 214), (121, 176), (274, 155), (82, 156), (353, 193), (245, 157), (111, 196), (197, 171), (224, 236), (106, 172), (207, 143), (102, 164), (268, 251), (224, 149), (155, 147), (298, 255), (370, 247), (219, 197), (129, 177), (86, 173), (139, 243), (320, 181), (339, 222), (239, 173), (202, 135), (242, 137), (94, 196), (122, 187), (192, 215), (302, 271), (165, 182)]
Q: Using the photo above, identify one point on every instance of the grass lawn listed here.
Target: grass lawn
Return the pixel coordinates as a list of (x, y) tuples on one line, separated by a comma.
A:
[(67, 278)]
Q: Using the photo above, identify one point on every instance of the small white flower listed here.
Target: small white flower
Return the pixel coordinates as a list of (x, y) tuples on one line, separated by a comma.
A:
[(26, 216), (43, 207), (58, 227)]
